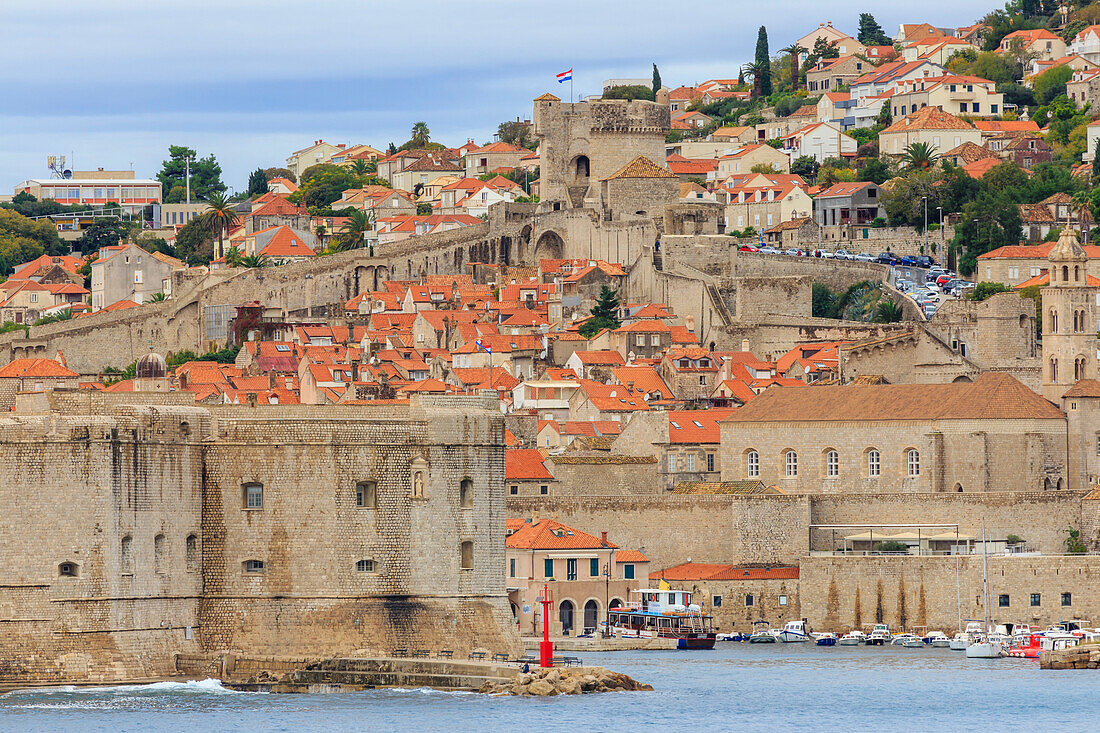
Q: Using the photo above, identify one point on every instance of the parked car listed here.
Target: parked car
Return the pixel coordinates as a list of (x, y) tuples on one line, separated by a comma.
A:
[(908, 261), (903, 285), (942, 280), (864, 257), (924, 261), (951, 284), (843, 254), (931, 295), (886, 258), (794, 252), (748, 248), (769, 251), (929, 310)]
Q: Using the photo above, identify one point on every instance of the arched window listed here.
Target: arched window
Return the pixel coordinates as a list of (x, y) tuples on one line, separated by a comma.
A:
[(1065, 273), (1053, 321), (466, 552), (912, 462), (67, 570), (366, 494), (466, 493), (1078, 369), (832, 464), (873, 467), (160, 554), (790, 463), (126, 556), (958, 488), (191, 554), (1053, 369), (1076, 273), (752, 463), (365, 566)]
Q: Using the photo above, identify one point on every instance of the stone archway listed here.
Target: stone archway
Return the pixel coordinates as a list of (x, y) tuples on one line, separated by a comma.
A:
[(550, 246), (565, 615), (591, 614)]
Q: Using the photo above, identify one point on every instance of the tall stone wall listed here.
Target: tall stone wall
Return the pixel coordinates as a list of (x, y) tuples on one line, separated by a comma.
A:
[(934, 592)]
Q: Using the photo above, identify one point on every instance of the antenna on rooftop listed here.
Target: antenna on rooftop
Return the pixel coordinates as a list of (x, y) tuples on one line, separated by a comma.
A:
[(56, 164)]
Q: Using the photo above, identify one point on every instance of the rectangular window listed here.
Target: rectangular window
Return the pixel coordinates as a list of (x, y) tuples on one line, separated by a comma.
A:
[(253, 496), (548, 568), (1002, 600), (1036, 599), (513, 490), (593, 567), (640, 339), (1067, 599), (749, 600), (628, 571), (512, 568), (710, 462), (544, 490), (654, 340), (571, 569), (254, 566), (716, 601), (782, 600), (689, 460), (671, 463)]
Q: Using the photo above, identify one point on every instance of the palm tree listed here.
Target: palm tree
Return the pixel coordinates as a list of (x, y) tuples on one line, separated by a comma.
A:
[(220, 216), (920, 156), (794, 50), (757, 72), (158, 297), (1082, 204), (421, 134), (360, 167), (354, 229), (260, 260), (888, 312), (233, 256)]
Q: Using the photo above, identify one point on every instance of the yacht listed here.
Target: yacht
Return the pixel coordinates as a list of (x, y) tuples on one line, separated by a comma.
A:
[(852, 638), (666, 614), (762, 637), (988, 644), (879, 636), (825, 639), (937, 639)]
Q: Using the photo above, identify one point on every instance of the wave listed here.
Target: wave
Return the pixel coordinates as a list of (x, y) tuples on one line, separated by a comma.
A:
[(206, 686)]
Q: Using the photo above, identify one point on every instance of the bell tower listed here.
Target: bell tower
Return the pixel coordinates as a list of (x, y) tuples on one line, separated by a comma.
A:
[(1069, 318)]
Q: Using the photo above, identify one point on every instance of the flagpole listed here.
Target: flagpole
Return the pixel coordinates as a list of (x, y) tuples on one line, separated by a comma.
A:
[(570, 86)]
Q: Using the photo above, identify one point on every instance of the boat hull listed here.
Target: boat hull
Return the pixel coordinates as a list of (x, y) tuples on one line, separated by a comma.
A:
[(849, 642), (793, 637), (984, 650), (826, 642), (941, 643), (702, 641), (876, 642), (762, 639), (957, 645)]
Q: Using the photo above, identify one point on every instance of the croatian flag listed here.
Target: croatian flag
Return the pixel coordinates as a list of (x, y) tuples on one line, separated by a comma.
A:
[(483, 347), (565, 76)]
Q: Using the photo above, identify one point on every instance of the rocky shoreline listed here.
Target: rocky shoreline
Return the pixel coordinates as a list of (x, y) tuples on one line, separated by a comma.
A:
[(565, 681), (1085, 656)]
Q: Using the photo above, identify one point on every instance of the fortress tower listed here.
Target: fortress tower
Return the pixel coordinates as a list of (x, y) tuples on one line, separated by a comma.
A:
[(1069, 319), (586, 142)]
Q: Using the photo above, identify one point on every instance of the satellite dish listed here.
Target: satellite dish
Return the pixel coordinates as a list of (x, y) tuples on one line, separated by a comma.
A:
[(66, 173)]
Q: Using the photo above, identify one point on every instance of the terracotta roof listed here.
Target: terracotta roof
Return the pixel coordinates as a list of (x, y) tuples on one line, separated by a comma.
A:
[(605, 358), (641, 167), (547, 534), (23, 368), (695, 426), (1084, 388), (547, 97), (715, 571), (630, 556), (1006, 125), (286, 243), (525, 464), (783, 226), (970, 152), (643, 378), (993, 395), (928, 118)]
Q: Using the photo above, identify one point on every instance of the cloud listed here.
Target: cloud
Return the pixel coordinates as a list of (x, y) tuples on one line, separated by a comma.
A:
[(250, 80)]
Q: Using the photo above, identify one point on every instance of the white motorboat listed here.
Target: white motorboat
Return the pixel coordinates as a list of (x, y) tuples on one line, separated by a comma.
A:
[(879, 636), (852, 638), (985, 649), (959, 642), (762, 637), (902, 639), (938, 639), (794, 632), (987, 644)]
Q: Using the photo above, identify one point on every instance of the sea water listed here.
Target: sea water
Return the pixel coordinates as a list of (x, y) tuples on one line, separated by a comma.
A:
[(738, 687)]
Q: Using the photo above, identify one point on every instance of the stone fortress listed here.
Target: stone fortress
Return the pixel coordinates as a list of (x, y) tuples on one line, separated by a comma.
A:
[(149, 530)]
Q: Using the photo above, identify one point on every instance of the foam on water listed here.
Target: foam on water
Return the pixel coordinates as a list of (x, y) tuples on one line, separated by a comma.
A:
[(207, 686)]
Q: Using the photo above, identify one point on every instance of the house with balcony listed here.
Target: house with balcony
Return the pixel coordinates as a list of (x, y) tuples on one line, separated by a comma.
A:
[(1040, 42), (844, 204), (548, 398), (967, 95), (829, 75), (930, 125), (820, 141)]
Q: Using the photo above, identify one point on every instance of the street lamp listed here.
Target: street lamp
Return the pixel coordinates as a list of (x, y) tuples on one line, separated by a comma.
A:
[(925, 198), (607, 599), (940, 209)]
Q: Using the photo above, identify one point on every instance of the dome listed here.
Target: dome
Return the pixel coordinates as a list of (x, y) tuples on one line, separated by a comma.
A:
[(1067, 248), (151, 366)]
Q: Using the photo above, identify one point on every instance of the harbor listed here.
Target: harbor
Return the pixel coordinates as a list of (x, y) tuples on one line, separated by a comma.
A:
[(750, 687)]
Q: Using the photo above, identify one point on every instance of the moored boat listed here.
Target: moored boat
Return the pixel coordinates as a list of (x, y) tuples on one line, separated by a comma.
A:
[(794, 632), (937, 639), (762, 637), (1025, 646), (959, 642), (825, 639), (879, 636), (852, 638), (664, 614)]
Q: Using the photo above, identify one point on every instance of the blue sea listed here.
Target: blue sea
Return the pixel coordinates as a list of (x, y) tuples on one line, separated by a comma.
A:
[(735, 687)]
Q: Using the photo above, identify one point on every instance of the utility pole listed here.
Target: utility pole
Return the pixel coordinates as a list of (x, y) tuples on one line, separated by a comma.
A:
[(940, 209), (925, 222), (187, 175)]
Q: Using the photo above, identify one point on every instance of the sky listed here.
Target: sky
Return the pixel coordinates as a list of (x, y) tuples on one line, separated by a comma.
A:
[(112, 84)]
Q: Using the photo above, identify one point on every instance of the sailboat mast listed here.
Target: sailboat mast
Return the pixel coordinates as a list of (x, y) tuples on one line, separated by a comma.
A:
[(985, 577)]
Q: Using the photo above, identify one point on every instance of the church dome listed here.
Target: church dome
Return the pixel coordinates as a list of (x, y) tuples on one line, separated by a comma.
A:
[(151, 366), (1067, 247)]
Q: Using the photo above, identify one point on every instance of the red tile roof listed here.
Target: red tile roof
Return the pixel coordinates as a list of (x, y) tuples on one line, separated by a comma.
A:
[(23, 368), (547, 534), (525, 464), (715, 571), (696, 426)]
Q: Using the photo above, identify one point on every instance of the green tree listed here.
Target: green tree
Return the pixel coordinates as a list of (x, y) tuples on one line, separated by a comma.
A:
[(920, 156), (763, 62), (362, 168), (632, 91), (1051, 83), (355, 228), (158, 297), (888, 312), (823, 301), (758, 73), (258, 260), (1074, 545), (233, 256), (985, 290), (875, 170), (1007, 178), (793, 52), (990, 221), (206, 173), (421, 135), (195, 242), (805, 166), (280, 173), (883, 117), (515, 132), (871, 33), (23, 239), (257, 182), (993, 66), (656, 81), (604, 313), (324, 183), (220, 217), (104, 232)]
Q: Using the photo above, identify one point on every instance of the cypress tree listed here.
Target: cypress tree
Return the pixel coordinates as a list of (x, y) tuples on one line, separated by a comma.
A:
[(656, 81), (763, 61)]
